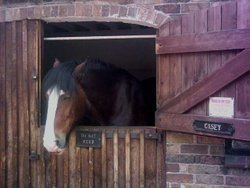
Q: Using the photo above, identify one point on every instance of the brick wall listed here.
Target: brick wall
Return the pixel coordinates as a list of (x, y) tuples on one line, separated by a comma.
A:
[(198, 162), (161, 9), (192, 161)]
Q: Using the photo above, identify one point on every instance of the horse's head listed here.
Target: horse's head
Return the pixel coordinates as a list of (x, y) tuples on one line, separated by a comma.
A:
[(66, 104)]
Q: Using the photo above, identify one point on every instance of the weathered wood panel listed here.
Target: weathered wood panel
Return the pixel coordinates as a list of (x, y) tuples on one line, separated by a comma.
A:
[(202, 48), (128, 157), (2, 106), (19, 59), (11, 104)]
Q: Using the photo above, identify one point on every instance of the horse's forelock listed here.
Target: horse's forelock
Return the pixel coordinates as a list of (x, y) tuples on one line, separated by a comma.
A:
[(61, 77)]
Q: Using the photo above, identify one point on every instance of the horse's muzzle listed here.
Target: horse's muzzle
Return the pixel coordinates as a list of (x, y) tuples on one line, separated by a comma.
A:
[(61, 143)]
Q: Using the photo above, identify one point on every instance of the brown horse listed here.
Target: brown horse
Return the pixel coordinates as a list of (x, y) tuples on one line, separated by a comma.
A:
[(107, 95)]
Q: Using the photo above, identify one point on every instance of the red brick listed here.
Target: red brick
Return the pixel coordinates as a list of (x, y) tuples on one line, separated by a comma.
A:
[(2, 15), (212, 160), (204, 169), (190, 7), (173, 168), (179, 138), (180, 178), (210, 140), (123, 12), (143, 14), (238, 180), (38, 12), (71, 10), (173, 158), (209, 179), (151, 16), (217, 150), (196, 149), (88, 10), (97, 10), (105, 10), (83, 10), (30, 12), (54, 11), (174, 185), (46, 11), (132, 12), (169, 8), (173, 148), (63, 11), (12, 14), (114, 10)]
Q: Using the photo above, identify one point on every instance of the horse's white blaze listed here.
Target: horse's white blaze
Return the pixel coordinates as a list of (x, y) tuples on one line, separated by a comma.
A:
[(49, 138)]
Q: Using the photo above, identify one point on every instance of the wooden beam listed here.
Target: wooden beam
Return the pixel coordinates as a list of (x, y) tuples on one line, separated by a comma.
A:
[(202, 42), (232, 70), (184, 123)]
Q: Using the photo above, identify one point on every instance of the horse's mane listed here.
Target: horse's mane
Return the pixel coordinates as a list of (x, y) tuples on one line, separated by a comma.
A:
[(61, 76), (97, 72), (98, 65)]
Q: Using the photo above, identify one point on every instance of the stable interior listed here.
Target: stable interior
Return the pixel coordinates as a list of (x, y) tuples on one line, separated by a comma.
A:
[(128, 46)]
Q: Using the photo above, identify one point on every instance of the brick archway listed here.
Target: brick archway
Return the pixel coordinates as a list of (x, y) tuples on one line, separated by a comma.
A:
[(86, 11)]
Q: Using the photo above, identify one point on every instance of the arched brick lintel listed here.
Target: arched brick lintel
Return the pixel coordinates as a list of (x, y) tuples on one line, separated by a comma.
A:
[(80, 11)]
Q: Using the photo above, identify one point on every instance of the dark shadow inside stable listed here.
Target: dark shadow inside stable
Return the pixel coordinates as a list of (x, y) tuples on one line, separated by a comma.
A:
[(127, 46)]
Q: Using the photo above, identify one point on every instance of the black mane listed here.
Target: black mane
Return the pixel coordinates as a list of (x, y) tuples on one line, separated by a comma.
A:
[(101, 74), (61, 76)]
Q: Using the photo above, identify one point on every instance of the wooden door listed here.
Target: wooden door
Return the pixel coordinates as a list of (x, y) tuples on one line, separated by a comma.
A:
[(201, 55), (20, 45)]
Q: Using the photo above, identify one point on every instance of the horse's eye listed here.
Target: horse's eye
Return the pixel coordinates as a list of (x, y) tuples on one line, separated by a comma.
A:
[(66, 97)]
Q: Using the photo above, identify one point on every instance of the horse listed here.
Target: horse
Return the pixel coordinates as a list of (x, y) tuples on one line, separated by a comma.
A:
[(105, 94)]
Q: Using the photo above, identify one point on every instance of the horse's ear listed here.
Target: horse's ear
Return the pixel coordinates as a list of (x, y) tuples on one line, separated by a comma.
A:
[(78, 70), (56, 63)]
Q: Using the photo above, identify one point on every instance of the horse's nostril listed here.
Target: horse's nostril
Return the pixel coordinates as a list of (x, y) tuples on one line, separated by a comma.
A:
[(60, 144)]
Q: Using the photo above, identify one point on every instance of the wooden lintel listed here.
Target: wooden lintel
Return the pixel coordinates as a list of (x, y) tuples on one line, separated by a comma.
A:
[(202, 42), (184, 123), (236, 67)]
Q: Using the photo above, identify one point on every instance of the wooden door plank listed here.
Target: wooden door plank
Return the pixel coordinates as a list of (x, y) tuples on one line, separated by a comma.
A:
[(202, 42), (11, 105), (91, 168), (242, 86), (85, 167), (229, 16), (142, 161), (72, 161), (175, 64), (163, 79), (116, 162), (214, 58), (214, 19), (66, 167), (59, 171), (199, 63), (3, 105), (161, 164), (78, 167), (243, 16), (104, 160), (127, 159), (184, 123), (135, 162), (121, 159), (229, 21), (23, 112), (150, 163), (97, 167), (33, 61), (110, 161), (229, 72)]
